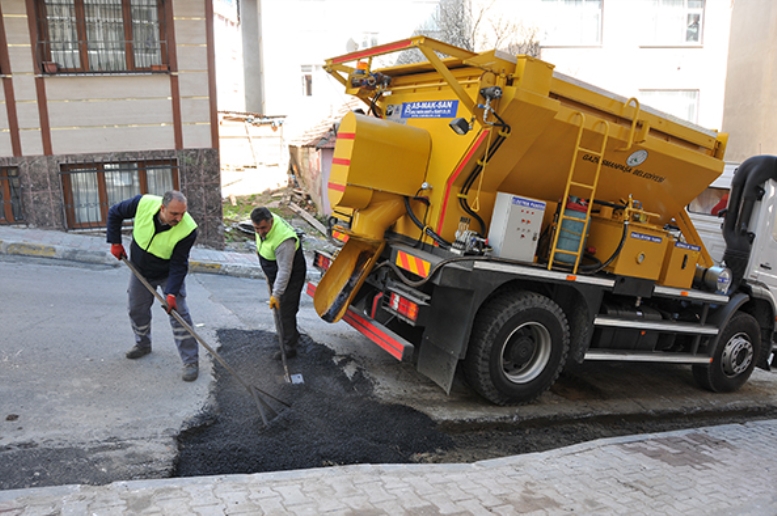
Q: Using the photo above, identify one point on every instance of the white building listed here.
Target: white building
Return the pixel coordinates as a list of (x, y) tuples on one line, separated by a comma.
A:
[(669, 54)]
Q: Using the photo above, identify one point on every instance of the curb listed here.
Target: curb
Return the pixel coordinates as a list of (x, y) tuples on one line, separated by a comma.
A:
[(104, 258)]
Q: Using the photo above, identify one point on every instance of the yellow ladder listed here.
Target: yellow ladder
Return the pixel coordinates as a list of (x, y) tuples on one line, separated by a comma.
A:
[(575, 186)]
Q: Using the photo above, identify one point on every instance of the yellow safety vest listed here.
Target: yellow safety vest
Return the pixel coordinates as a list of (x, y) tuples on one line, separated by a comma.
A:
[(161, 244), (279, 233)]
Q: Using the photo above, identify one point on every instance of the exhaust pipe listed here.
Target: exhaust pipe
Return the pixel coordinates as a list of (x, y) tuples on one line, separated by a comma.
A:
[(746, 190)]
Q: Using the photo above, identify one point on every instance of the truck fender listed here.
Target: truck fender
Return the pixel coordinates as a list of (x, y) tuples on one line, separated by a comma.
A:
[(764, 311), (723, 315)]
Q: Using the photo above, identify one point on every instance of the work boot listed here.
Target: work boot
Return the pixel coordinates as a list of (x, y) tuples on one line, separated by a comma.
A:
[(290, 353), (137, 352), (190, 372)]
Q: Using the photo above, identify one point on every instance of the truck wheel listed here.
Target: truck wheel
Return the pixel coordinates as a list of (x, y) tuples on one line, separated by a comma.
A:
[(734, 358), (518, 347)]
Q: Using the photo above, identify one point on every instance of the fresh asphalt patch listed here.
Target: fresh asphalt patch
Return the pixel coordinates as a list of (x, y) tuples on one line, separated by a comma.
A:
[(333, 418)]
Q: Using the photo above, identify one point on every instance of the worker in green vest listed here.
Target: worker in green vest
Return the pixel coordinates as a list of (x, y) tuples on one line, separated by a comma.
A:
[(162, 236), (283, 262)]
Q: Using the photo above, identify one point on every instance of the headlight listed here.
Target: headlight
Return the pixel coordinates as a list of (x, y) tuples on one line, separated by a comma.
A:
[(715, 279)]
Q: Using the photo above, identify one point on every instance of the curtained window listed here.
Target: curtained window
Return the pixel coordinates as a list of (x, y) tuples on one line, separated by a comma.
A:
[(101, 35), (92, 188)]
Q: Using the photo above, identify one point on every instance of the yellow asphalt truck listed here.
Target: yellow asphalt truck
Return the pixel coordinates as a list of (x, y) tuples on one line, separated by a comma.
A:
[(505, 220)]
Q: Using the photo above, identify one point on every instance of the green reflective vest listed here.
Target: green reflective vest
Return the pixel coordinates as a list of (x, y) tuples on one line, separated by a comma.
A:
[(279, 233), (161, 244)]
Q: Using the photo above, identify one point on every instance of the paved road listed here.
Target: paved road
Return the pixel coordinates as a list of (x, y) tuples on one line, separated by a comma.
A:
[(720, 470)]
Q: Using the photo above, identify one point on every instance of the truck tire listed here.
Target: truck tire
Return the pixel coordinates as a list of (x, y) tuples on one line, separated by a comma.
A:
[(734, 357), (518, 347)]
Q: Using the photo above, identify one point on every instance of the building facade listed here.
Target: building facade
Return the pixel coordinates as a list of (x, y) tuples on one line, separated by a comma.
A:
[(751, 83), (104, 100)]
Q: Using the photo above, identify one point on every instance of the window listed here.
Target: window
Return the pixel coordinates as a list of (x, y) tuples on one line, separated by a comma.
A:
[(101, 35), (572, 22), (674, 22), (92, 188), (307, 80), (10, 196), (369, 39), (710, 201), (683, 104)]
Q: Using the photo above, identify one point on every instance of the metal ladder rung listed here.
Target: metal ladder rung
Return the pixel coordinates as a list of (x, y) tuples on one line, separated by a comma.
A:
[(582, 185)]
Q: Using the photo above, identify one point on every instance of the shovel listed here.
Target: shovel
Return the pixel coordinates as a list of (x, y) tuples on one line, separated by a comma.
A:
[(294, 378), (261, 404)]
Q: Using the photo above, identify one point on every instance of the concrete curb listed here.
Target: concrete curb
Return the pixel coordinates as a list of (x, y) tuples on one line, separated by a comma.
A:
[(104, 258)]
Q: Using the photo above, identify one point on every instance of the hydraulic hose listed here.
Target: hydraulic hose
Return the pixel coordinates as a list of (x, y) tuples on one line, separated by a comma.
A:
[(424, 228), (476, 172)]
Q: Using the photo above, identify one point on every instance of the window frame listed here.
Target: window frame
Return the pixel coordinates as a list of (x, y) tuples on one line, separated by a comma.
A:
[(653, 10), (49, 66), (7, 213), (68, 169), (658, 97)]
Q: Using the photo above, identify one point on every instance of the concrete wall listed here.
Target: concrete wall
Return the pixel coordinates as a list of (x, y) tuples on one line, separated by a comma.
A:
[(751, 85)]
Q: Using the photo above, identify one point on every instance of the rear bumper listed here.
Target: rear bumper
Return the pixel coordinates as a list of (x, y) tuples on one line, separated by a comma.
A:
[(386, 339)]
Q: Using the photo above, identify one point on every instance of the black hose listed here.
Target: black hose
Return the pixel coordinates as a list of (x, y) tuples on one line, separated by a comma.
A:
[(471, 180), (424, 228)]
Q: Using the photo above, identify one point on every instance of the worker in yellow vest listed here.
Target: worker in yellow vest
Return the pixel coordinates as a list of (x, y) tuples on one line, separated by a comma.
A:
[(162, 236), (283, 262)]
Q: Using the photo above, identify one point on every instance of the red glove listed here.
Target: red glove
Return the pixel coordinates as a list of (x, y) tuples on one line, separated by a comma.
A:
[(117, 250), (171, 304)]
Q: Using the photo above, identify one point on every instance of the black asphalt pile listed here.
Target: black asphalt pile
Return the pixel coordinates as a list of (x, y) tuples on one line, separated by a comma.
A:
[(333, 419)]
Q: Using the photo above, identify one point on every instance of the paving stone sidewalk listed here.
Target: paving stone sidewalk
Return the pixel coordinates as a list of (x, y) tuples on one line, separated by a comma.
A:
[(722, 470)]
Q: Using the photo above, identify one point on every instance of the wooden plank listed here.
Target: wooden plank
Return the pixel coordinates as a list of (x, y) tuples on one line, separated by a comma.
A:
[(308, 217)]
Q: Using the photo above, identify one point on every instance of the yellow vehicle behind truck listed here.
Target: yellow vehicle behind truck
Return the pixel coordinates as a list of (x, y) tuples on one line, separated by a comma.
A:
[(506, 219)]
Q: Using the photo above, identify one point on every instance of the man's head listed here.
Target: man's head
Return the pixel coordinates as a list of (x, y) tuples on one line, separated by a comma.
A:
[(262, 220), (173, 207)]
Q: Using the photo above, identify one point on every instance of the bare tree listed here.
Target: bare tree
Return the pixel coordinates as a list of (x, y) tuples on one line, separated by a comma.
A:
[(475, 28)]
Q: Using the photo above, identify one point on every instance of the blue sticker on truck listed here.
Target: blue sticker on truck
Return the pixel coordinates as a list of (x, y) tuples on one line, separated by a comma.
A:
[(430, 109), (687, 247), (528, 203), (646, 238)]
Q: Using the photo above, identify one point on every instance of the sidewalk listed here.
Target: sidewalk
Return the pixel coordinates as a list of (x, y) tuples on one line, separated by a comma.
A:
[(723, 470), (729, 469), (92, 248)]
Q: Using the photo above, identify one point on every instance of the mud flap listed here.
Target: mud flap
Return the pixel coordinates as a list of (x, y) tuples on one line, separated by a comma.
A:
[(345, 276)]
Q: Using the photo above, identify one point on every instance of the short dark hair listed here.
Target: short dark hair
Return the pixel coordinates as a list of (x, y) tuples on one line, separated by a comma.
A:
[(260, 214), (173, 194)]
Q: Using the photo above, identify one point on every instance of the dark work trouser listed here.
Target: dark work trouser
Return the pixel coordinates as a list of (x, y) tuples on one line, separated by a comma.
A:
[(140, 301), (290, 299)]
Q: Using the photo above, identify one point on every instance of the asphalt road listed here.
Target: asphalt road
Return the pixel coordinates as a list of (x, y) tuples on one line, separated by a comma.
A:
[(74, 410)]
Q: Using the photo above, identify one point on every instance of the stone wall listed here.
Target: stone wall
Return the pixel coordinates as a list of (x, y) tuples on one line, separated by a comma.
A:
[(43, 201)]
